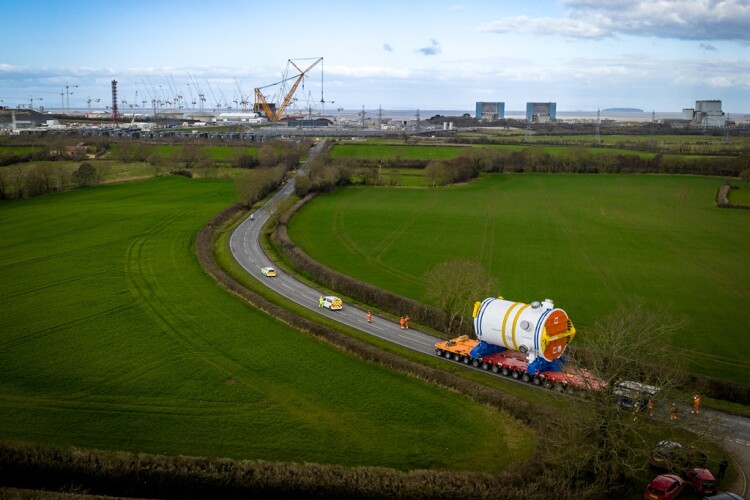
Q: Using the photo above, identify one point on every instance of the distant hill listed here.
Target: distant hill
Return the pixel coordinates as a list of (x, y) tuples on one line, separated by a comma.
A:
[(622, 110)]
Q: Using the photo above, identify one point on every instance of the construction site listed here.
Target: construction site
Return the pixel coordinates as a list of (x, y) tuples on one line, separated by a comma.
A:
[(295, 101)]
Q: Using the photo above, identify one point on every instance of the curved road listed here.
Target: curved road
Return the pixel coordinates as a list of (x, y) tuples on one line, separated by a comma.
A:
[(245, 247)]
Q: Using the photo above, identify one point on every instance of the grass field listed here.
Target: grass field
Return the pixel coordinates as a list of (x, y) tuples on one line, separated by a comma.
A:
[(589, 242), (112, 337), (384, 152), (216, 153)]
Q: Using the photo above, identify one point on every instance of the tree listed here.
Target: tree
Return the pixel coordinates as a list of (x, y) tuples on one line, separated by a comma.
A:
[(86, 175), (246, 160), (455, 286), (46, 173), (436, 173), (254, 185), (745, 176), (598, 446), (189, 154)]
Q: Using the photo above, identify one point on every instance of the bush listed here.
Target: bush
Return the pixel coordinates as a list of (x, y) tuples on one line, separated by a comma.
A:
[(183, 172)]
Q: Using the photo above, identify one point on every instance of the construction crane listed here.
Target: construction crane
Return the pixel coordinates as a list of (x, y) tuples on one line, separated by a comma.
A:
[(271, 112)]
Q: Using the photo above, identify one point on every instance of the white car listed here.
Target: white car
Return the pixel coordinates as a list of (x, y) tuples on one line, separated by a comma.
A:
[(268, 271), (332, 303)]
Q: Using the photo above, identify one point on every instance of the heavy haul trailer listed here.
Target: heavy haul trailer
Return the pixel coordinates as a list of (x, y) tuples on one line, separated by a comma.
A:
[(514, 364), (520, 340)]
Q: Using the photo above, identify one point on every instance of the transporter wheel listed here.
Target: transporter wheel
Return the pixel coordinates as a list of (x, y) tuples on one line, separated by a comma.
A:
[(569, 390), (515, 375), (537, 381), (467, 360), (439, 352), (458, 357), (495, 368), (485, 366), (476, 363), (548, 384), (505, 371), (447, 355), (526, 377)]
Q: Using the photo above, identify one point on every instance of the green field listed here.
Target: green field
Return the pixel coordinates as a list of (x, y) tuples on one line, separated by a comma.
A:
[(112, 337), (383, 152), (216, 153), (589, 242)]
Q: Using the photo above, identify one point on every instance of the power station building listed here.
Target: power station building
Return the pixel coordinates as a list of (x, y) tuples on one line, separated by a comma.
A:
[(541, 112), (707, 114), (488, 111)]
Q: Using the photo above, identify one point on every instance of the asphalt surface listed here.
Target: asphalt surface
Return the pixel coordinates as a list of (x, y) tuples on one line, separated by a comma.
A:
[(245, 246)]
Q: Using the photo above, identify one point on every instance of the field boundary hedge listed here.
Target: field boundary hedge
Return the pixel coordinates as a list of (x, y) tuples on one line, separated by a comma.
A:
[(722, 197), (141, 475)]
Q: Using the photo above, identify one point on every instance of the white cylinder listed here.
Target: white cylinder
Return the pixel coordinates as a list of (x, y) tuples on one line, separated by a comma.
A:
[(537, 329)]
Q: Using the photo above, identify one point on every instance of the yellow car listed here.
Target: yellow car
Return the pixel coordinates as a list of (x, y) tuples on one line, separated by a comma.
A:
[(268, 271)]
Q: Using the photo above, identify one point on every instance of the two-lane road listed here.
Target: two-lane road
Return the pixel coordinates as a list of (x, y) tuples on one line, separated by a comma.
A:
[(245, 246)]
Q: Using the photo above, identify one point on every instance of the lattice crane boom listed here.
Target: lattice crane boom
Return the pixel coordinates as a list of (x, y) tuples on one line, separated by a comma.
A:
[(261, 103)]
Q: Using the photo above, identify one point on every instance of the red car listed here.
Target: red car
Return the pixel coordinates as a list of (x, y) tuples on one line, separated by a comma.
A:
[(701, 480), (664, 487)]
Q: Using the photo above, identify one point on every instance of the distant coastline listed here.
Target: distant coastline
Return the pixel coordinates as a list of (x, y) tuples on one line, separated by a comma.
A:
[(622, 110)]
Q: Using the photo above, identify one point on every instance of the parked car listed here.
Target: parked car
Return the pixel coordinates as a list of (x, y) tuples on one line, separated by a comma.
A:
[(702, 481), (664, 454), (268, 271), (672, 456), (332, 303), (664, 487)]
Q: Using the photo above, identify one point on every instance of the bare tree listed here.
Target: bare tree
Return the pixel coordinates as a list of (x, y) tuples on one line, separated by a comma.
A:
[(599, 446), (46, 173), (436, 173), (454, 287), (189, 155)]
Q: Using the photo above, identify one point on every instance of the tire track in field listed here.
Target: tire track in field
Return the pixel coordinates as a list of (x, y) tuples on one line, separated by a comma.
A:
[(74, 252), (572, 235), (46, 236), (292, 401), (143, 288), (707, 231), (160, 407), (389, 241), (703, 356), (488, 231), (81, 320), (372, 257), (47, 285)]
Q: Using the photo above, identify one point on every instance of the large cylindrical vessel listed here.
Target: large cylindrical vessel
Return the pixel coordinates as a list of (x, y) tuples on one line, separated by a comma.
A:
[(537, 329)]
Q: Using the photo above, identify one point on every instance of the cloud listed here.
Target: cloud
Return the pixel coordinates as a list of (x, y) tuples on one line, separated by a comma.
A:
[(574, 28), (387, 47), (678, 19), (432, 50), (368, 72), (707, 46)]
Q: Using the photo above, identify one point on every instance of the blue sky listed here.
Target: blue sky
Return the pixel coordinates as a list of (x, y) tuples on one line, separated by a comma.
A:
[(660, 55)]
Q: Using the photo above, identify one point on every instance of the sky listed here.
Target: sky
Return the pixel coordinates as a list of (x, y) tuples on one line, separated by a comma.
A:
[(656, 55)]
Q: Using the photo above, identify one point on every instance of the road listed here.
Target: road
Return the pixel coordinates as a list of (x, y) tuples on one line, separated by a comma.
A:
[(245, 246)]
